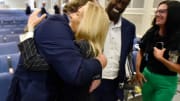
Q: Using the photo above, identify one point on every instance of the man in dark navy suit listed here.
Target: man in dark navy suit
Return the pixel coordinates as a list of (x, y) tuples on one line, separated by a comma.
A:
[(119, 42)]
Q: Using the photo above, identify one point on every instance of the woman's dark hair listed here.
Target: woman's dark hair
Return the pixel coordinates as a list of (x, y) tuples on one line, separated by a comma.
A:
[(173, 16), (172, 24), (154, 20)]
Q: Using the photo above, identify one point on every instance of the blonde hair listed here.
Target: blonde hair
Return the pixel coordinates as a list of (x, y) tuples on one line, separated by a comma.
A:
[(93, 26)]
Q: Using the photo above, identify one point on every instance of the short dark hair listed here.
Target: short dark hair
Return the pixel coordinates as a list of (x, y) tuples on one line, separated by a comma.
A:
[(119, 1), (70, 8), (74, 5)]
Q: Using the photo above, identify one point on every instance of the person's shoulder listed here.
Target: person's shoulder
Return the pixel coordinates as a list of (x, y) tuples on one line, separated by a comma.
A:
[(53, 24), (124, 20), (56, 17)]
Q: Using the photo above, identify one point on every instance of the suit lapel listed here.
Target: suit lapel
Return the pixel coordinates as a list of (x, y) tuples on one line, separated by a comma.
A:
[(123, 36), (123, 50)]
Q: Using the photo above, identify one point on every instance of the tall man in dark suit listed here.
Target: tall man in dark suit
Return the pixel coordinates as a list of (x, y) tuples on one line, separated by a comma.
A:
[(119, 42)]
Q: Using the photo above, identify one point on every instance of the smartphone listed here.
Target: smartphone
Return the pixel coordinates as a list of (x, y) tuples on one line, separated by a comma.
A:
[(159, 45)]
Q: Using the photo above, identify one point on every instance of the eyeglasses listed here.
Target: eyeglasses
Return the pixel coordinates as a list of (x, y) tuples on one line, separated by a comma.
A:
[(161, 11)]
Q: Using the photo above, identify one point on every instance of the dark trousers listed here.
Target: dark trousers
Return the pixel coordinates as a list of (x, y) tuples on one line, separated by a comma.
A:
[(106, 91)]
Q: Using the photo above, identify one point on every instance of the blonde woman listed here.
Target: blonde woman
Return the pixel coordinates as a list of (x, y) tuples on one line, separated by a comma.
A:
[(70, 73), (93, 27)]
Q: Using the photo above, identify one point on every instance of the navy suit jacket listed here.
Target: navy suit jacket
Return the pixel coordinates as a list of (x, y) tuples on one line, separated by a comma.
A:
[(127, 36), (69, 70)]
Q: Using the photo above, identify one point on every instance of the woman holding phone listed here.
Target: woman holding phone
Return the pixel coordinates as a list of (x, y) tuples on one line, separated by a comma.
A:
[(161, 47)]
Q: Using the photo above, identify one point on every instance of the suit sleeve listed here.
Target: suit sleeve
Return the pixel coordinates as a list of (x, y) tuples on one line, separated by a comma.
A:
[(54, 41), (132, 35)]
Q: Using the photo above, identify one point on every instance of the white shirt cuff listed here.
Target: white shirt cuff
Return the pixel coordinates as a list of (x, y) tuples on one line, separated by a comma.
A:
[(26, 36)]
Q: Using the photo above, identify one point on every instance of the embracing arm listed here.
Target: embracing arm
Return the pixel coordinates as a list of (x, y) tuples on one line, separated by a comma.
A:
[(32, 60)]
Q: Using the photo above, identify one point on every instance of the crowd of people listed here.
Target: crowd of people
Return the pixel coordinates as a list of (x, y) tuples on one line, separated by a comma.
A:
[(80, 55)]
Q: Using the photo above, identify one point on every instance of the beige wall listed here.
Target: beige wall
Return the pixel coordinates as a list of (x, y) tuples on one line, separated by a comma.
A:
[(15, 3), (140, 12)]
